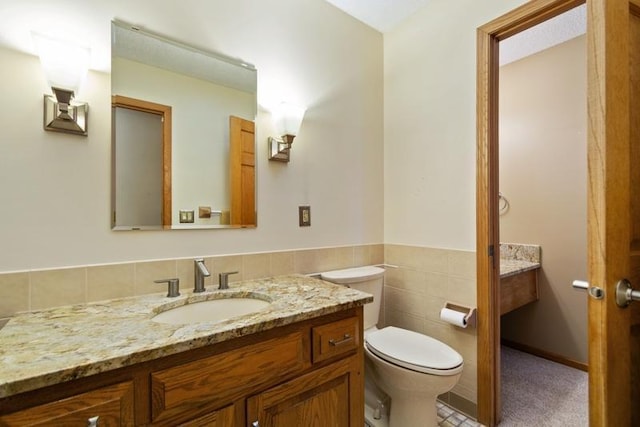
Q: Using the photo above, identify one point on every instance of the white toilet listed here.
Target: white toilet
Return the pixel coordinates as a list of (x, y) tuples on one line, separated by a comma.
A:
[(411, 368)]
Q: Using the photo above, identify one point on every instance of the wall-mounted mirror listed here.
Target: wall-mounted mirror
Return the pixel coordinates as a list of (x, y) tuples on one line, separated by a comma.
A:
[(183, 135)]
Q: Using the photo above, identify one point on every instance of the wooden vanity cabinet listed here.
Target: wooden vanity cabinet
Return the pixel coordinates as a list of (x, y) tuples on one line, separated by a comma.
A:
[(103, 407), (518, 290), (321, 398), (309, 373), (213, 382)]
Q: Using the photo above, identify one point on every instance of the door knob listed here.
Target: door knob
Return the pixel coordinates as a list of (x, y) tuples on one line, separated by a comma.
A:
[(625, 293)]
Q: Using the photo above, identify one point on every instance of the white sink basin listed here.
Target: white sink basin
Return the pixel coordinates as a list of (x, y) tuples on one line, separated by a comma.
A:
[(214, 310)]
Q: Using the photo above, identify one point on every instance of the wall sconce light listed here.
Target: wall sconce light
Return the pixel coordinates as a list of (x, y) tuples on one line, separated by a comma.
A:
[(287, 120), (65, 67)]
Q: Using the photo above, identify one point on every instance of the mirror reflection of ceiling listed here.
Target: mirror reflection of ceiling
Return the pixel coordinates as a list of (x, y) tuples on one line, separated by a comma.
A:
[(181, 59)]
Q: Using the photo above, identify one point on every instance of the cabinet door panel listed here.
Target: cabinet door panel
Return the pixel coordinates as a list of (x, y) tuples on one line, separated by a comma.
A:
[(221, 418), (113, 405), (207, 384), (323, 398)]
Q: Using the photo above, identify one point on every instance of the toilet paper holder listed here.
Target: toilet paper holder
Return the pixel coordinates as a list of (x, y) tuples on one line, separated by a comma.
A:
[(469, 314)]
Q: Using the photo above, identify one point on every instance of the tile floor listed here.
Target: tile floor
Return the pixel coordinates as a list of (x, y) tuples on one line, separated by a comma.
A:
[(449, 417)]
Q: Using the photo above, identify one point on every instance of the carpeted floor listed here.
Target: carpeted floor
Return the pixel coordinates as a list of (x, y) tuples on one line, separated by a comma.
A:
[(538, 392)]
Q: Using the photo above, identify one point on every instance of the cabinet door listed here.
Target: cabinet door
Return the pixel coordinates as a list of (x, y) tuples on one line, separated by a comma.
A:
[(221, 418), (204, 385), (107, 406), (327, 397)]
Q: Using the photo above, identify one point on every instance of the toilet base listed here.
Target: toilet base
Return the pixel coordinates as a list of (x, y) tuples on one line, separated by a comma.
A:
[(413, 395), (370, 421)]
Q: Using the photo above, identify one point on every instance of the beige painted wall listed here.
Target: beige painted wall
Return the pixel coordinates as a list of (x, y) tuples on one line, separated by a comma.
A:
[(430, 125), (429, 170), (543, 174), (55, 191)]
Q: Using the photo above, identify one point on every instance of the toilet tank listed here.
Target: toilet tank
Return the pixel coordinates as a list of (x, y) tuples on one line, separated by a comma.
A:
[(365, 279)]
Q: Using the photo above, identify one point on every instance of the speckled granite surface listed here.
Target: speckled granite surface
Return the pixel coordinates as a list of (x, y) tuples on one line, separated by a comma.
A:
[(51, 346), (520, 252), (517, 258), (510, 267)]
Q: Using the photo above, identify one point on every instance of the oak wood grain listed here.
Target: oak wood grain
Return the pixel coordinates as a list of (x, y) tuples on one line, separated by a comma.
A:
[(518, 290)]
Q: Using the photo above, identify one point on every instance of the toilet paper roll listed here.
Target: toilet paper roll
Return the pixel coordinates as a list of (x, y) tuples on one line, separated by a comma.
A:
[(454, 317)]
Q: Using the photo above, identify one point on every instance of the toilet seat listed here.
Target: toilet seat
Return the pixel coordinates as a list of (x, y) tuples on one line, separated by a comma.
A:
[(414, 351)]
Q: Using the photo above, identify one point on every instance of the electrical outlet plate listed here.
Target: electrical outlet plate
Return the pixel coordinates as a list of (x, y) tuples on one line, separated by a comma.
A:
[(304, 216)]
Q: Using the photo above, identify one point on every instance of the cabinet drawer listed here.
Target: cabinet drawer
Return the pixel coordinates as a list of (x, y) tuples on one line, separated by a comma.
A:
[(207, 384), (113, 405), (335, 338)]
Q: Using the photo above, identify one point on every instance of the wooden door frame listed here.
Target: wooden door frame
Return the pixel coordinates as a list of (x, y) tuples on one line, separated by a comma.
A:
[(487, 218), (165, 112)]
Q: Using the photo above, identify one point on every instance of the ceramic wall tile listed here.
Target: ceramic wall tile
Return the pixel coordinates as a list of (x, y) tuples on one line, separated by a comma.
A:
[(53, 288), (148, 272), (110, 281), (256, 266), (14, 293)]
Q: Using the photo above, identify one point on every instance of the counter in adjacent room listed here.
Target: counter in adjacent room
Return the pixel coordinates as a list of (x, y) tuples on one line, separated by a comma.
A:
[(519, 266)]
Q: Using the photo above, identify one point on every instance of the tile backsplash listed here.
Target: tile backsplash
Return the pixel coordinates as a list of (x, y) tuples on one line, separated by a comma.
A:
[(39, 289)]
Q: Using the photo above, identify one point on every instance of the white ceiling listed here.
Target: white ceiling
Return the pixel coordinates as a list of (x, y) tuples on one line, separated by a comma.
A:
[(557, 30), (89, 24), (383, 15)]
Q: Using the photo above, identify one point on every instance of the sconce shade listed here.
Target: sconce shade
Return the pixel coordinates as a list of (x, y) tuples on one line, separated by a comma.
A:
[(288, 119), (65, 67)]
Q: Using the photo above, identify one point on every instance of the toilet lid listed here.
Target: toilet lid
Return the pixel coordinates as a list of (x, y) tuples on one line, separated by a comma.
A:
[(414, 351)]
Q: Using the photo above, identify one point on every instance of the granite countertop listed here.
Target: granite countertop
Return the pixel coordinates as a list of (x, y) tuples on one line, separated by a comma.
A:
[(519, 257), (511, 267), (51, 346)]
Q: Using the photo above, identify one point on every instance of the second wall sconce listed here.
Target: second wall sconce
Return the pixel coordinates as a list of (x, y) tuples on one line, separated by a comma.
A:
[(65, 67), (287, 120)]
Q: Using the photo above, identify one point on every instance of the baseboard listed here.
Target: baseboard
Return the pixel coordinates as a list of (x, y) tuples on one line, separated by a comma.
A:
[(546, 355), (460, 404)]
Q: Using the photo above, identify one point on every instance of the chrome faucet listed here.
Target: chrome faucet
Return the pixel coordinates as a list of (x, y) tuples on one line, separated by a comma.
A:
[(173, 286), (200, 272), (223, 279)]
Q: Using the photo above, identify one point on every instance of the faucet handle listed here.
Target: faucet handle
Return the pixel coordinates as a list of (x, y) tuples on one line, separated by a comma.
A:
[(223, 279), (173, 286)]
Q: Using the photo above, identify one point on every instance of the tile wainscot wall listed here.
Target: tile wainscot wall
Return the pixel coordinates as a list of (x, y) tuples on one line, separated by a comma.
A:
[(415, 290)]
